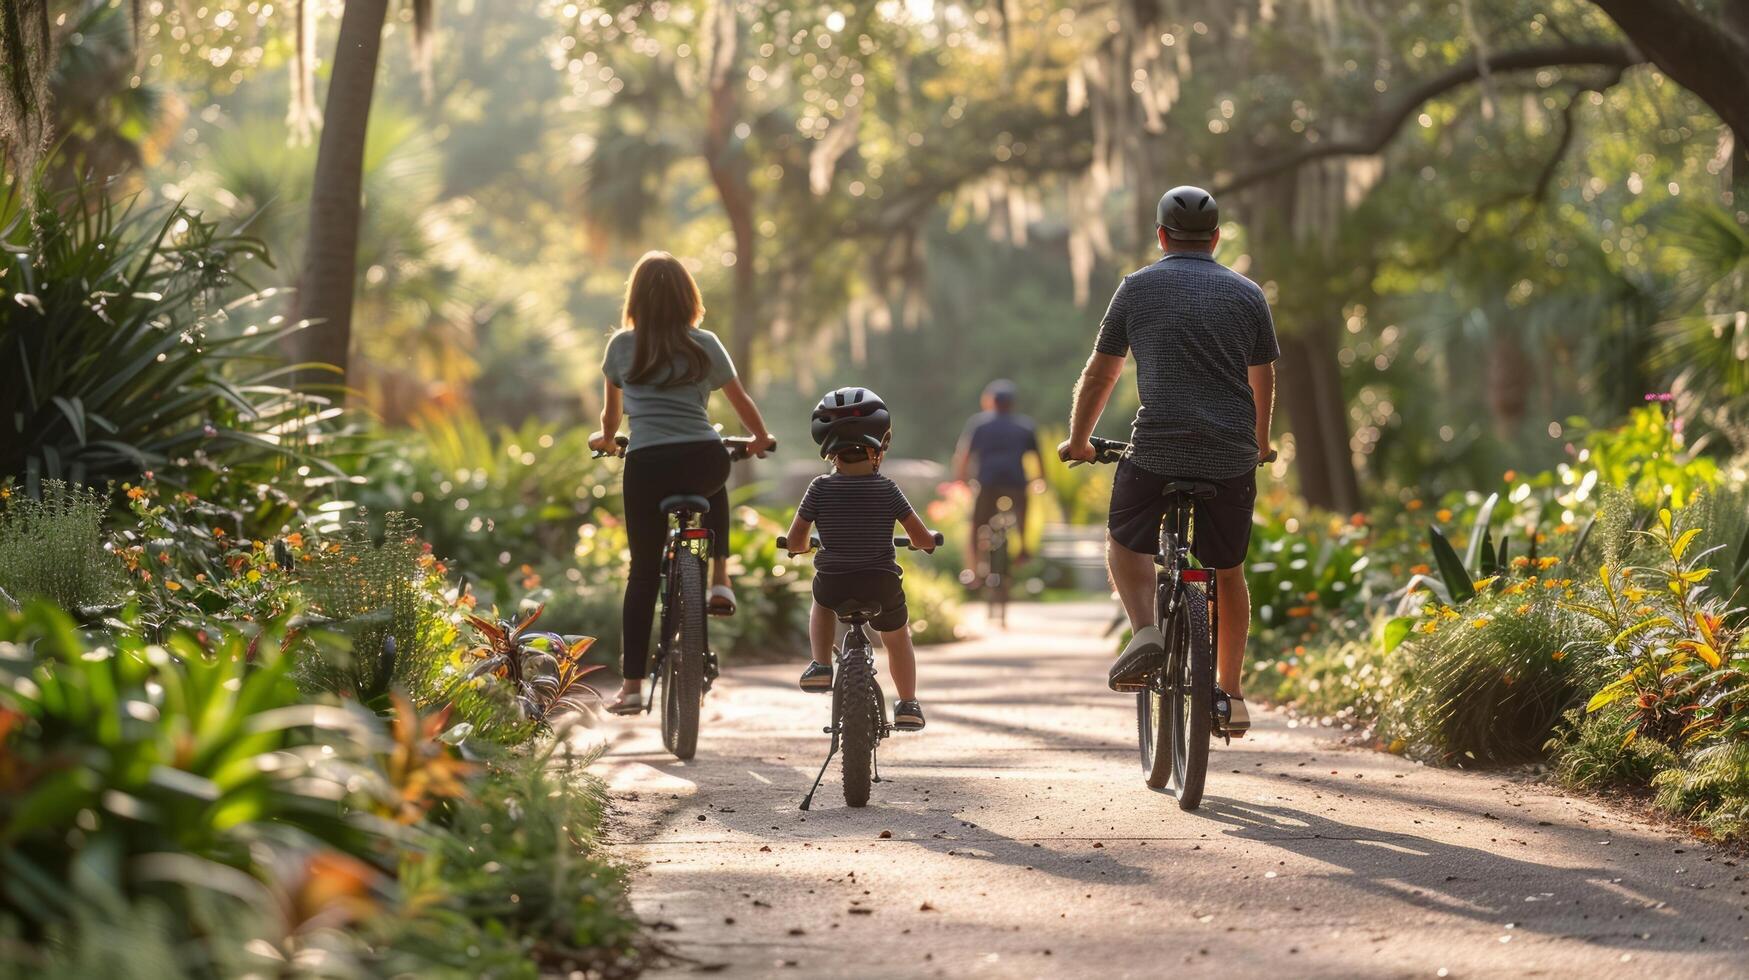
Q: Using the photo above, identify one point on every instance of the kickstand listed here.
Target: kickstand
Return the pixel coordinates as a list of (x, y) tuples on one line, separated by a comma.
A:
[(808, 801), (877, 761)]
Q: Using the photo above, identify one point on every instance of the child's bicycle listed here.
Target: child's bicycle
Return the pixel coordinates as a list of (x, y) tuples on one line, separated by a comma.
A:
[(683, 665), (859, 707), (997, 564), (1179, 709)]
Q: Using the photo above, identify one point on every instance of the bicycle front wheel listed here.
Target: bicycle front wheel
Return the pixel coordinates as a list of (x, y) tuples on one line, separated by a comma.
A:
[(1154, 732), (1189, 689), (683, 667)]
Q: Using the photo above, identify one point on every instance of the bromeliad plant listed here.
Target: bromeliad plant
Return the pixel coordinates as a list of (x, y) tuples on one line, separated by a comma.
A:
[(1676, 660), (544, 671)]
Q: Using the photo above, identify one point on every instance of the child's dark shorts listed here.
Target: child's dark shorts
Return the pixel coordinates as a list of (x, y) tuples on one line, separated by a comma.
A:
[(876, 585)]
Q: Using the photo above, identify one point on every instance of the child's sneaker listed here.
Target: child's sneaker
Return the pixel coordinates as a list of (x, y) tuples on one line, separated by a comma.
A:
[(817, 679), (908, 716)]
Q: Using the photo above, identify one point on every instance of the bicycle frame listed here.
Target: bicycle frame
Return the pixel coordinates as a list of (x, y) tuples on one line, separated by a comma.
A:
[(856, 642), (1174, 559)]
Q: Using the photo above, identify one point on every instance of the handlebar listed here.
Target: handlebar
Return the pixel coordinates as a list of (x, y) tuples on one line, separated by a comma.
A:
[(814, 542), (1111, 451), (739, 447)]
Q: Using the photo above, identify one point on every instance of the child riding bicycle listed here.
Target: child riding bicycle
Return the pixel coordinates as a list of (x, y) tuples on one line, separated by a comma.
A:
[(855, 508)]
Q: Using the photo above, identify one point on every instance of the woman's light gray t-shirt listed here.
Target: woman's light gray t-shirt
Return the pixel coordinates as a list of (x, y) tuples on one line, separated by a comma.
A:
[(663, 414)]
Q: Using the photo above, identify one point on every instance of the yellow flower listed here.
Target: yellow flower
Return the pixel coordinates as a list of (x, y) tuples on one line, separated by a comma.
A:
[(1547, 562), (173, 585), (1478, 622), (1523, 608)]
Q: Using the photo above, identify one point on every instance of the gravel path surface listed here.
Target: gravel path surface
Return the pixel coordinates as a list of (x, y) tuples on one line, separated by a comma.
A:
[(1015, 838)]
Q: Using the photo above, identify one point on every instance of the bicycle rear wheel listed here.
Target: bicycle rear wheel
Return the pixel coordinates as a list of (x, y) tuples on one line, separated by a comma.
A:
[(1190, 687), (683, 667), (997, 583), (859, 709)]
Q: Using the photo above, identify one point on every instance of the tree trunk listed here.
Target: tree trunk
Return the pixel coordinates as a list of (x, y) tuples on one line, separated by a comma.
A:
[(1310, 389), (728, 164), (330, 273)]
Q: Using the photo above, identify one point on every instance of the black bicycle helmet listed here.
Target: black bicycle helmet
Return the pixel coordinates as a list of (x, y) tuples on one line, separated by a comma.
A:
[(851, 417), (1188, 214)]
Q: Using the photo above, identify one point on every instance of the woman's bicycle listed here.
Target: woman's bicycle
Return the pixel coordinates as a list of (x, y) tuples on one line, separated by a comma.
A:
[(683, 666), (1180, 707), (859, 707)]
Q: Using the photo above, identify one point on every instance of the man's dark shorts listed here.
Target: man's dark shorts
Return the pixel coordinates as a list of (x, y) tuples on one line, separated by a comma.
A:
[(988, 503), (876, 585), (1222, 523)]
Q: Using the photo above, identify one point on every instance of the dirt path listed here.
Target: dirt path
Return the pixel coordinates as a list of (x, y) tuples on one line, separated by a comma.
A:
[(1024, 843)]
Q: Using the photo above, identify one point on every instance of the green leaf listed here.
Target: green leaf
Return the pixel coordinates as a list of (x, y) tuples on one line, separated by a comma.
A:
[(1479, 534), (1395, 631), (1451, 567)]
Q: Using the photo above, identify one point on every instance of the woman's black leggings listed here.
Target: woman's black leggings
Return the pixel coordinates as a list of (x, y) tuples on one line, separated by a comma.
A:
[(651, 474)]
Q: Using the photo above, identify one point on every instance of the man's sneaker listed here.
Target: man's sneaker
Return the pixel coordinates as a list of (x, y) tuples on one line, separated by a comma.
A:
[(908, 716), (817, 679), (1238, 719), (1140, 658)]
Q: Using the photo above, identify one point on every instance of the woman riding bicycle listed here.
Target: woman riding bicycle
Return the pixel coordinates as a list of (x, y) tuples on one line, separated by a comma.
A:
[(660, 369)]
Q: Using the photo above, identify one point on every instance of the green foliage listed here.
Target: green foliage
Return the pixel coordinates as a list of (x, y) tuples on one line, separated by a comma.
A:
[(1710, 787), (1649, 457), (124, 355), (522, 857), (1600, 751), (115, 750), (53, 548), (1487, 687), (491, 501), (385, 600)]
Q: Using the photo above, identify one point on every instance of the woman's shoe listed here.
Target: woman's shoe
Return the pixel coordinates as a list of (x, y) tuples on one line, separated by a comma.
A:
[(908, 716), (628, 703), (721, 601)]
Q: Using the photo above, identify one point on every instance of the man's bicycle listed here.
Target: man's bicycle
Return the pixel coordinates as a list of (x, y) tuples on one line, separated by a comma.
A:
[(996, 563), (683, 666), (1180, 707), (859, 707)]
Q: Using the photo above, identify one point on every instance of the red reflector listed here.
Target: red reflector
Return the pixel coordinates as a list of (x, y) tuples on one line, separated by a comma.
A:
[(1194, 575), (694, 533)]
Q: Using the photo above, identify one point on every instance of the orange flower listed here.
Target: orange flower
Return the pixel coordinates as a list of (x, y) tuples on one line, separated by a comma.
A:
[(1299, 612), (1312, 596), (294, 540), (1509, 475), (1421, 569), (1414, 505), (136, 493), (1444, 514), (219, 532), (173, 585), (1357, 520)]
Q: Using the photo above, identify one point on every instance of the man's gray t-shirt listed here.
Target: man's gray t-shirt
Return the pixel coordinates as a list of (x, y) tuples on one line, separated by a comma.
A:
[(1195, 326), (663, 414)]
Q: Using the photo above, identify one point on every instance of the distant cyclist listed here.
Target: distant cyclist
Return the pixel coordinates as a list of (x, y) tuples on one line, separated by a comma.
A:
[(1205, 352), (992, 451)]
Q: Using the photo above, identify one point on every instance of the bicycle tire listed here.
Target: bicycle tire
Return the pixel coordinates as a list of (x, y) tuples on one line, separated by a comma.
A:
[(1001, 573), (1190, 679), (1153, 733), (858, 709), (683, 668)]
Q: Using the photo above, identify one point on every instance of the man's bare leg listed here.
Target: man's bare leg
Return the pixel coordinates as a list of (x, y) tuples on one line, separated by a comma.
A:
[(1133, 576), (1233, 625)]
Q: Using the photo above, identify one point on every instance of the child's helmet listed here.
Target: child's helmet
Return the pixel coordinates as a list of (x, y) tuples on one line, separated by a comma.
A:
[(851, 417)]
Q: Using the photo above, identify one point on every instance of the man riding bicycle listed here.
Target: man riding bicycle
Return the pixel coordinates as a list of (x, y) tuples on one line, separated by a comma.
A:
[(993, 450), (1205, 350)]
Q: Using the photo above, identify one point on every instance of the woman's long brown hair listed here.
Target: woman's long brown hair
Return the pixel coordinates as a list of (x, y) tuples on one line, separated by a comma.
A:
[(662, 307)]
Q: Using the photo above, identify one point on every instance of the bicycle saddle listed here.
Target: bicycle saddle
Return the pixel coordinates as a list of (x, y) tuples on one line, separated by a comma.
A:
[(857, 608), (1191, 488), (690, 503)]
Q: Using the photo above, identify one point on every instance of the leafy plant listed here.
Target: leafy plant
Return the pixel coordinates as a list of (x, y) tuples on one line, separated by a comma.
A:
[(124, 353), (543, 671), (1600, 750), (114, 751), (1710, 787), (53, 548)]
